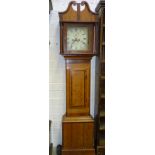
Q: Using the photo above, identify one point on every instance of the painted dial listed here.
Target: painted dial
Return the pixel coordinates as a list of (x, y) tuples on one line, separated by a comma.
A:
[(77, 38)]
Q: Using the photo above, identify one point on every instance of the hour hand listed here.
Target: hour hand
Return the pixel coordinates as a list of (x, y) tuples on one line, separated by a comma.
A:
[(73, 40)]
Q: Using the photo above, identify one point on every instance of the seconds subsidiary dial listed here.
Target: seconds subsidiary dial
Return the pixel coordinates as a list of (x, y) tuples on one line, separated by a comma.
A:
[(77, 38)]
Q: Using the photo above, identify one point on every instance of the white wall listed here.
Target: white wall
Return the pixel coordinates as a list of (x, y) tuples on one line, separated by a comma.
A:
[(57, 79)]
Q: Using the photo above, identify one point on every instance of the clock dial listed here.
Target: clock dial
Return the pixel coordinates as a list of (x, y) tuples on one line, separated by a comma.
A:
[(77, 38)]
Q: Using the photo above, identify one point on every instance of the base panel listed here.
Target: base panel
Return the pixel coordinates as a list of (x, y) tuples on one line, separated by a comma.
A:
[(78, 152), (78, 136)]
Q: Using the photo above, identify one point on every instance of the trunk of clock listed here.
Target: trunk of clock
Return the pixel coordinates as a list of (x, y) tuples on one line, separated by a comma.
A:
[(78, 86), (77, 124)]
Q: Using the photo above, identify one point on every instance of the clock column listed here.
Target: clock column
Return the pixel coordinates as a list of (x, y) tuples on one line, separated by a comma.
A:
[(77, 123)]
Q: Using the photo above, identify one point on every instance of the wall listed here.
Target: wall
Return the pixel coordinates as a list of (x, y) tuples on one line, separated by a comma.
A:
[(57, 90)]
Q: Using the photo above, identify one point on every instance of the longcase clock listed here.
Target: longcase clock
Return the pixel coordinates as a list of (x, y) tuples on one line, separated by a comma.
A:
[(78, 44)]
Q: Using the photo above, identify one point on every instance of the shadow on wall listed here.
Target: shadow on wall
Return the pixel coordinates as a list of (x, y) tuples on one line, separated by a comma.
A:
[(50, 6)]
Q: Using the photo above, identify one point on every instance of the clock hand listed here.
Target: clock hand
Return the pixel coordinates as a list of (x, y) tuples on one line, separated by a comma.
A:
[(73, 40)]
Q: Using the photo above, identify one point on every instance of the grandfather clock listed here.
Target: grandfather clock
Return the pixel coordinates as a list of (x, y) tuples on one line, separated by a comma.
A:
[(78, 44)]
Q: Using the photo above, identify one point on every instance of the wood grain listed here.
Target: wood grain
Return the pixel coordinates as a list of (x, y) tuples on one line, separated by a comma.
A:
[(78, 87), (78, 136)]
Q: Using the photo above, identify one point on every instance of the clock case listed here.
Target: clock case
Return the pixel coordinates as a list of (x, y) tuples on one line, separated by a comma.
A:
[(79, 18), (77, 123)]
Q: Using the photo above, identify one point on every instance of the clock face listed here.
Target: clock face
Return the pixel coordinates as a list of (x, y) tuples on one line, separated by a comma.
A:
[(77, 38)]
